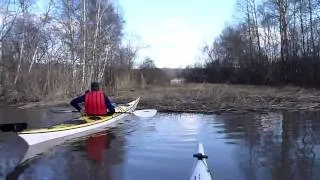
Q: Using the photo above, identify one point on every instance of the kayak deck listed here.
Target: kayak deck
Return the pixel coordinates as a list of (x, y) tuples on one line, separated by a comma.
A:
[(200, 169), (85, 120), (82, 126)]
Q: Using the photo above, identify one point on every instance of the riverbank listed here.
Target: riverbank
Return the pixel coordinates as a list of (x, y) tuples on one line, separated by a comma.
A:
[(215, 98)]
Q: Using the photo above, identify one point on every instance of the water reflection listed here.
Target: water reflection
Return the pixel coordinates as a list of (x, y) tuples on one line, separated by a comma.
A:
[(85, 158), (274, 146), (250, 146)]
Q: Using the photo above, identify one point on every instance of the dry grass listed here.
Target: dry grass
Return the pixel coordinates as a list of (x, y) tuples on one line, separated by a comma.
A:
[(215, 98)]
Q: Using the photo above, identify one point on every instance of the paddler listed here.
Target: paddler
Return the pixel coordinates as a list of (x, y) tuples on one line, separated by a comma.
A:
[(96, 103)]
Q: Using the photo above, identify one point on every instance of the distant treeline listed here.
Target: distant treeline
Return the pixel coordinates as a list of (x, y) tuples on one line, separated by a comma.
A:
[(274, 42)]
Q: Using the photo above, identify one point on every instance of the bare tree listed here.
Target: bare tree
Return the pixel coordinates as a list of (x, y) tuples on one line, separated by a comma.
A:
[(24, 6), (281, 37), (73, 41), (84, 34)]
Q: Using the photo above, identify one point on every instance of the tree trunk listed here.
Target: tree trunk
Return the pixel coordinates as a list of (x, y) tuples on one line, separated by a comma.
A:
[(95, 63), (256, 26), (102, 70), (22, 44), (33, 58), (70, 30), (311, 29), (282, 6), (294, 43), (249, 31), (84, 46), (302, 29)]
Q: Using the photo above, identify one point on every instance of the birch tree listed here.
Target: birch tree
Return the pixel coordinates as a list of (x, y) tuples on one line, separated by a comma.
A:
[(24, 6)]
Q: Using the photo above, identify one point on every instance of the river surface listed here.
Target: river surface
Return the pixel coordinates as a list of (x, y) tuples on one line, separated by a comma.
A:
[(252, 146)]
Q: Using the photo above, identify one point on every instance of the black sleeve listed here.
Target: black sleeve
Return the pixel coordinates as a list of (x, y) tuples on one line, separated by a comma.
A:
[(109, 105), (76, 101)]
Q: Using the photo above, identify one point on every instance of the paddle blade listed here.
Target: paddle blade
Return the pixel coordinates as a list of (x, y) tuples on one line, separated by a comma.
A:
[(64, 111), (145, 112), (16, 127)]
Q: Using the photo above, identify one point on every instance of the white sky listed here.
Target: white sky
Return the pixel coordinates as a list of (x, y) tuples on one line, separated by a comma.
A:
[(174, 31)]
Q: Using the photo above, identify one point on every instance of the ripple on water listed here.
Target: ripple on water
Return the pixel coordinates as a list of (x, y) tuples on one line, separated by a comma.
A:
[(250, 146)]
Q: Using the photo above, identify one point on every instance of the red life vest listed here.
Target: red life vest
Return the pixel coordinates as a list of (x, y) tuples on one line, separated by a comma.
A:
[(94, 103)]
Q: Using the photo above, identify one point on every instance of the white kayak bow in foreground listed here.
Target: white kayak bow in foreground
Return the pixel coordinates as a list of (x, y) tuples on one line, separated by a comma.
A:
[(200, 170)]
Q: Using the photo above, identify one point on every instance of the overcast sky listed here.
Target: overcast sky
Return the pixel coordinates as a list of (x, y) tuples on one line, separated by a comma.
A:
[(175, 29)]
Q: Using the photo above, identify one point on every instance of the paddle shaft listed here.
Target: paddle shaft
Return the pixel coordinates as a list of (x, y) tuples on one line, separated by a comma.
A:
[(139, 113), (75, 111)]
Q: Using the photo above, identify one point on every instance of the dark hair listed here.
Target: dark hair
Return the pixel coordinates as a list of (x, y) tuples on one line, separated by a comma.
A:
[(95, 86)]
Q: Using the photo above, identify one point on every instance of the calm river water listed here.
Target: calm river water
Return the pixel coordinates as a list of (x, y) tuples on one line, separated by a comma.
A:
[(253, 146)]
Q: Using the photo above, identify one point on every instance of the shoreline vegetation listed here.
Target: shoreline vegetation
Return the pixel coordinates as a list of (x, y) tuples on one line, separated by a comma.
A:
[(46, 58), (213, 98)]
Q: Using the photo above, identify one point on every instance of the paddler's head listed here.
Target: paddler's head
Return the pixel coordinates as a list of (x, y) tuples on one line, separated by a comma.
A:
[(94, 86)]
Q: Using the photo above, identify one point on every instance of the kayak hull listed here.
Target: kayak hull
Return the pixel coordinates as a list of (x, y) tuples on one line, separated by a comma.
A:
[(37, 136), (200, 170)]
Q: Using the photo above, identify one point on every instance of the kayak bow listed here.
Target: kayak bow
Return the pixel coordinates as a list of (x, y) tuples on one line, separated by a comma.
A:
[(83, 126), (200, 169)]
